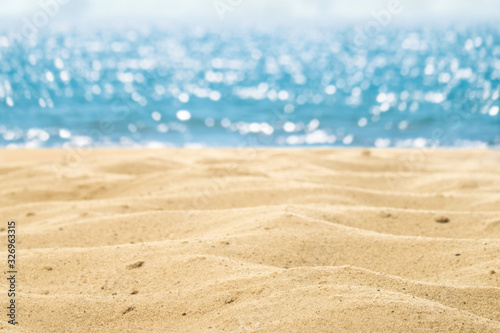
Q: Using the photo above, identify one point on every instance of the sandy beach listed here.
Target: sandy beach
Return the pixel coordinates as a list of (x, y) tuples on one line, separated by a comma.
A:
[(235, 240)]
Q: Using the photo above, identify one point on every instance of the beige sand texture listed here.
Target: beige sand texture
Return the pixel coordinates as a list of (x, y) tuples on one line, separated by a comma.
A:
[(244, 240)]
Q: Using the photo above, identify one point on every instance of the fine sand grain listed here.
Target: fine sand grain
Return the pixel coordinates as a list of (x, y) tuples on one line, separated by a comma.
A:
[(273, 240)]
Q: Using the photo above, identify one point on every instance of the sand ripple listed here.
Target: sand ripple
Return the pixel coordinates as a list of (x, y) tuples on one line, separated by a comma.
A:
[(241, 241)]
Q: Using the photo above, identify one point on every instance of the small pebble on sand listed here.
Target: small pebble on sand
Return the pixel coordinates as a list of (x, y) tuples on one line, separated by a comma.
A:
[(135, 265), (130, 308), (441, 219)]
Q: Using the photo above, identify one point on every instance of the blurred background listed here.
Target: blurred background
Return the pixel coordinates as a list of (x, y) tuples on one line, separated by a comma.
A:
[(150, 73), (315, 9)]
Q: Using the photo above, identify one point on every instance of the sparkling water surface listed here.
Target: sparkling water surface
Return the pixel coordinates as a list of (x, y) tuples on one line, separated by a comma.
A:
[(308, 85)]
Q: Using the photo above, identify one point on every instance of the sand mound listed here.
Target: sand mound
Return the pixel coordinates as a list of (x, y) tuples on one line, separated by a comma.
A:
[(244, 240)]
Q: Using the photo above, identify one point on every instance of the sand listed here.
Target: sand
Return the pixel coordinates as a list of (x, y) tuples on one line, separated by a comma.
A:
[(274, 240)]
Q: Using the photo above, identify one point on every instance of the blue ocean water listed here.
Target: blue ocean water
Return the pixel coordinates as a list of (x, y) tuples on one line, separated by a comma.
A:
[(306, 85)]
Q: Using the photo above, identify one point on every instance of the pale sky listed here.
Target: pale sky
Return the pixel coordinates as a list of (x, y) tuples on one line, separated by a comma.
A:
[(243, 9)]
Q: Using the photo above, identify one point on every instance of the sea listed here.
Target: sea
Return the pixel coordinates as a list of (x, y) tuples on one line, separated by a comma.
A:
[(301, 85)]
